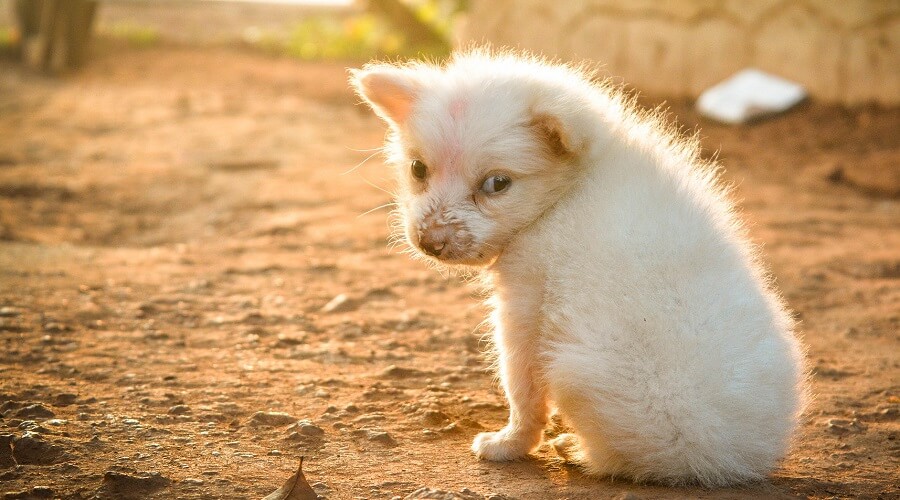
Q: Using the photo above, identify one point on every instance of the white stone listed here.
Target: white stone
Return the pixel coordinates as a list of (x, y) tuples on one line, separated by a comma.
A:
[(748, 95)]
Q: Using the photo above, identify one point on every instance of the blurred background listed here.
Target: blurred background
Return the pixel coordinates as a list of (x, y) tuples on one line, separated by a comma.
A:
[(196, 286), (841, 51)]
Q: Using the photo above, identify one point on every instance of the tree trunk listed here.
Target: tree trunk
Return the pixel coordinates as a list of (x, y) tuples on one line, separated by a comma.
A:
[(55, 33)]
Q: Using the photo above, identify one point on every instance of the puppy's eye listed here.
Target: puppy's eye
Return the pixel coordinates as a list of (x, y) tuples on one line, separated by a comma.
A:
[(496, 184), (418, 169)]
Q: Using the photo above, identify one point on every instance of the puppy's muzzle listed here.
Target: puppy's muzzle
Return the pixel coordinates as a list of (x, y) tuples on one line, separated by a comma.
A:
[(436, 240)]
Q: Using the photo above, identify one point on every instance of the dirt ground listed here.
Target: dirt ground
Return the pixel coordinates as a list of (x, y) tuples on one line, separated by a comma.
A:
[(184, 258)]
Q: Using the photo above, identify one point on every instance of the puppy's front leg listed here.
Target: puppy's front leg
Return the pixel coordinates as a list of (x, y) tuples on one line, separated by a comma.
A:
[(516, 339)]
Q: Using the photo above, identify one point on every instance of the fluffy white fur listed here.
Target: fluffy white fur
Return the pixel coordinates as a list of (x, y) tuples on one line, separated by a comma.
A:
[(626, 293)]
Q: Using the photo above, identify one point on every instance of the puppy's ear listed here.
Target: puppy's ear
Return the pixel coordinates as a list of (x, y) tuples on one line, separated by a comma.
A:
[(555, 137), (389, 90)]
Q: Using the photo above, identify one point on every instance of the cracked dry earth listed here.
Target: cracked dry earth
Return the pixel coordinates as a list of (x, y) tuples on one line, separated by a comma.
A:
[(191, 300)]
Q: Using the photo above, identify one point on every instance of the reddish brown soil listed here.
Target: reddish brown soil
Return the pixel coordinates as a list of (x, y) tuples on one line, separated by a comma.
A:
[(174, 220)]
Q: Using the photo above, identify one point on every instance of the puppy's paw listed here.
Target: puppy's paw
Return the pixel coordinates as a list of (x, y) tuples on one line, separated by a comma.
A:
[(503, 445)]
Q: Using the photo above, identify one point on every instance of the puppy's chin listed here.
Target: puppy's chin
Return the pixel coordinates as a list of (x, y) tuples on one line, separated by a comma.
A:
[(474, 261), (471, 259)]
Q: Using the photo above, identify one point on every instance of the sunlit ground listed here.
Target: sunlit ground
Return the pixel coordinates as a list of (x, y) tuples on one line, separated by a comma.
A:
[(191, 298)]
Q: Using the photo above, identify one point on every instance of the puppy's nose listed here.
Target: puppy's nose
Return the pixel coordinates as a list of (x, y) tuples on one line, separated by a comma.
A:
[(434, 240)]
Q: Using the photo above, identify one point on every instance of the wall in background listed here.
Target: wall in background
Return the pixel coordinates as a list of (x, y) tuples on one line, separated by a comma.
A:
[(842, 50)]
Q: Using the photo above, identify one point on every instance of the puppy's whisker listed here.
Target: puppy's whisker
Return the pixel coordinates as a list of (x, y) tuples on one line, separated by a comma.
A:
[(376, 186), (380, 148), (379, 207), (362, 162)]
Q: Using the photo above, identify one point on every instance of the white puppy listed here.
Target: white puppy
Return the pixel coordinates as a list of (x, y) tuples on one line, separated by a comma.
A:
[(626, 293)]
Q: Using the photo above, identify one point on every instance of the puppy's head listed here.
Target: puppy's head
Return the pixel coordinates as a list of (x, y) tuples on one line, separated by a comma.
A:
[(482, 147)]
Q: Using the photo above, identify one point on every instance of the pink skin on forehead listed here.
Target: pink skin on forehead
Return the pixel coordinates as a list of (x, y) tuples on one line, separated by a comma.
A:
[(457, 107), (451, 150)]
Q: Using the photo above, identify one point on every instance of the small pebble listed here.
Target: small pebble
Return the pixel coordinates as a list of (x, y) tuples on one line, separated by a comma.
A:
[(307, 428), (382, 437), (65, 399), (136, 485), (425, 492), (369, 417), (9, 312), (889, 413), (434, 417), (42, 491), (450, 428), (842, 426), (54, 327), (6, 453), (179, 410), (271, 418), (34, 411), (31, 425), (31, 449), (341, 303), (290, 339)]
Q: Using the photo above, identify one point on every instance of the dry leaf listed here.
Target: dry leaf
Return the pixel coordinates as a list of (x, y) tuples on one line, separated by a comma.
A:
[(295, 488)]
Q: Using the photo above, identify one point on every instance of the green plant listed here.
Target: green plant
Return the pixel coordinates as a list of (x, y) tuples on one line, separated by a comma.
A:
[(364, 36), (9, 37), (359, 37), (135, 34), (439, 14)]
